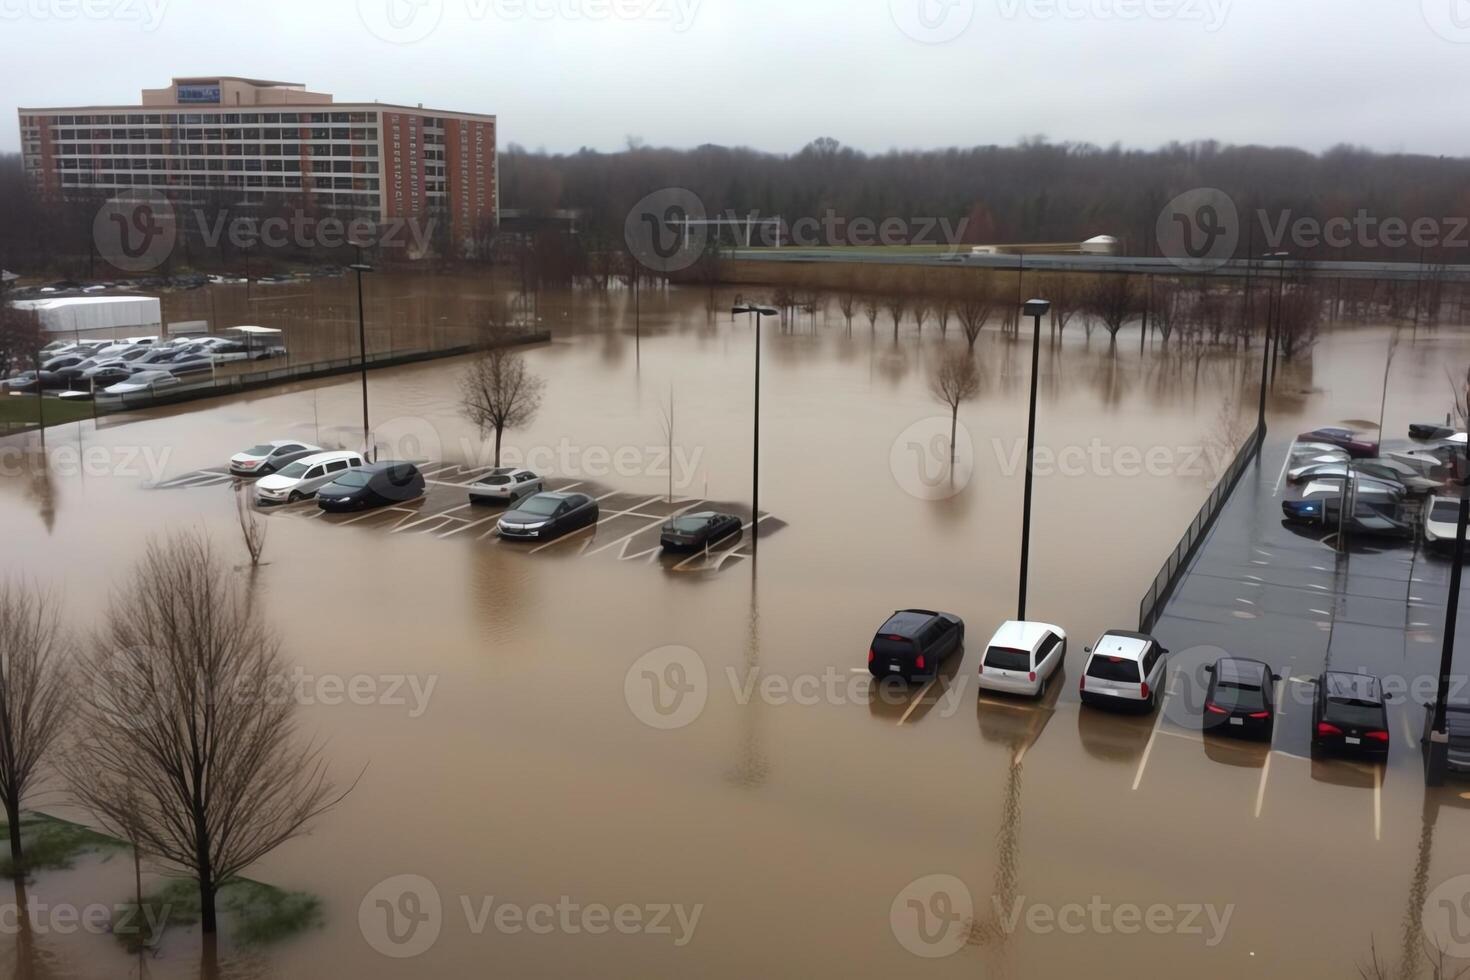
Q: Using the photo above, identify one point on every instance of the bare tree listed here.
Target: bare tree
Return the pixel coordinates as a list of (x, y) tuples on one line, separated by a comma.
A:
[(944, 310), (871, 308), (498, 393), (975, 304), (897, 305), (35, 696), (1114, 300), (252, 528), (922, 309), (1298, 321), (847, 303), (187, 739), (956, 381)]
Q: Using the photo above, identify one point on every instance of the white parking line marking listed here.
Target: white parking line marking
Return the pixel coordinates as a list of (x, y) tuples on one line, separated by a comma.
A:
[(1261, 793), (466, 527), (432, 517), (918, 700), (648, 527), (1378, 802)]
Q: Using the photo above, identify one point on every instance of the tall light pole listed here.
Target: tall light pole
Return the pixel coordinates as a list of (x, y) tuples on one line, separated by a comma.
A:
[(1036, 309), (1266, 357), (1437, 743), (360, 268), (756, 312)]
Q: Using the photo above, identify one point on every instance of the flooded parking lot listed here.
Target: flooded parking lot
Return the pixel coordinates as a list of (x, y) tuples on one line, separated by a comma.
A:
[(693, 772)]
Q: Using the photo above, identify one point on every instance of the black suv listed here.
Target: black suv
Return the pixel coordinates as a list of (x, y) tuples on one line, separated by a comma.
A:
[(1241, 699), (1350, 714), (914, 642)]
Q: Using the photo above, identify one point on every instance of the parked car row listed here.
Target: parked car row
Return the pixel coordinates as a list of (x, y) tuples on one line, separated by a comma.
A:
[(115, 366), (1388, 496), (1127, 670)]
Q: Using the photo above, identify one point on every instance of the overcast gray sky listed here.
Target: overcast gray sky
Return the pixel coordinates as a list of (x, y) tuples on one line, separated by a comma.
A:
[(773, 74)]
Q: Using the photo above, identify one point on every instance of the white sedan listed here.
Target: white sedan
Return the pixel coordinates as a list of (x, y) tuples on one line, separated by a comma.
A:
[(505, 485), (143, 381), (1441, 521)]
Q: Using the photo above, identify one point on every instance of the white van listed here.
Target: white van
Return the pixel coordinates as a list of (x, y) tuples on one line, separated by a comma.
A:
[(305, 477)]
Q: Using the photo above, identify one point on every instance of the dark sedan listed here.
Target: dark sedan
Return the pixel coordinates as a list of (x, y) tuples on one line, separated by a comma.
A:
[(1367, 519), (63, 361), (1345, 439), (548, 515), (374, 485), (692, 532), (1425, 431), (1241, 699), (1350, 714)]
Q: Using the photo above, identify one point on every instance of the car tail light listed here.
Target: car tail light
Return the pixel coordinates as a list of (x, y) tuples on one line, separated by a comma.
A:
[(1261, 715), (1215, 709), (1032, 675), (919, 661), (1082, 683), (1143, 690), (872, 656), (1378, 736), (1324, 728)]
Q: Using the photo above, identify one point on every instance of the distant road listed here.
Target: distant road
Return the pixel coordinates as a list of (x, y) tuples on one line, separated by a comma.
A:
[(1237, 268)]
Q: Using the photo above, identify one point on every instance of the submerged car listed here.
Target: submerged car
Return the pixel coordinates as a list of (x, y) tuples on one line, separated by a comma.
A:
[(1241, 698), (1383, 470), (504, 485), (1022, 657), (26, 381), (1427, 431), (691, 532), (1366, 519), (548, 515), (374, 485), (305, 477), (914, 642), (1350, 714), (1348, 440), (269, 457), (1124, 669)]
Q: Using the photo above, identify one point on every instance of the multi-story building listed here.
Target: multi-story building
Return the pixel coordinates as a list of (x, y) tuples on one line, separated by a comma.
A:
[(248, 141)]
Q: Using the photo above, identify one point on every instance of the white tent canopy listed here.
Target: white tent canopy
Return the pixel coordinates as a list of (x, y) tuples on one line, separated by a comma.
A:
[(92, 314)]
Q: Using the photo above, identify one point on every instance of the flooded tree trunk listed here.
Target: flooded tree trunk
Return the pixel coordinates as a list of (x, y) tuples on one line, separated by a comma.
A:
[(12, 817), (498, 433)]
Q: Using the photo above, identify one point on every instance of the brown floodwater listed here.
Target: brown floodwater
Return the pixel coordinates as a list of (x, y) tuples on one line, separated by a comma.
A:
[(506, 747)]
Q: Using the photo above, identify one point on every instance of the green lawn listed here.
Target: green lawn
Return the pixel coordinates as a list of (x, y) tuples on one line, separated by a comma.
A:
[(23, 408)]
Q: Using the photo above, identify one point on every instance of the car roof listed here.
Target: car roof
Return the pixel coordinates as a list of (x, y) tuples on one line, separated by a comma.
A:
[(328, 456), (1117, 643), (908, 622), (1239, 669), (1354, 687), (1022, 636)]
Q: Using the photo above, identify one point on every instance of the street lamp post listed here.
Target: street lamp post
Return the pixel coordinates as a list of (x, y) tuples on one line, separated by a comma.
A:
[(1437, 741), (1036, 309), (756, 312), (360, 268), (1266, 357)]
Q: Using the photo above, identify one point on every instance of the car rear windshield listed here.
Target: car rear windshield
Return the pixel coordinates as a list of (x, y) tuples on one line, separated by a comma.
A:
[(689, 525), (540, 506), (1240, 695), (1445, 511), (261, 450), (496, 481), (1004, 658), (355, 478), (1113, 669), (891, 645), (1362, 714)]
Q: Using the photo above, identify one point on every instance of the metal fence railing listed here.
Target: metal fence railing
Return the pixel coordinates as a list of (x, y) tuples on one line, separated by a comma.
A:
[(1168, 577)]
